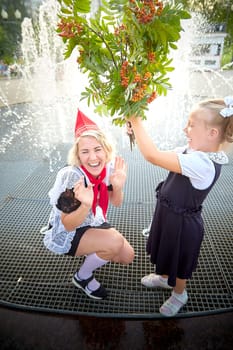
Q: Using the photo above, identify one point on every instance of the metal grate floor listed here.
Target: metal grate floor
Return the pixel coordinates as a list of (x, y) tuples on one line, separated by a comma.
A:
[(32, 278)]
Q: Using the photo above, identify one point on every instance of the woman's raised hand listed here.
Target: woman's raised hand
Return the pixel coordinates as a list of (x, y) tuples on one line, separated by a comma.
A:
[(118, 177), (84, 193)]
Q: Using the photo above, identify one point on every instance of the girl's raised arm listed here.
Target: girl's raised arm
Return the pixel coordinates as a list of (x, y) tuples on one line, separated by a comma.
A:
[(165, 159)]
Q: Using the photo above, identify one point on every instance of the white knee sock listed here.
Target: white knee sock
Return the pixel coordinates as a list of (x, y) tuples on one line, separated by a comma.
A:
[(91, 263)]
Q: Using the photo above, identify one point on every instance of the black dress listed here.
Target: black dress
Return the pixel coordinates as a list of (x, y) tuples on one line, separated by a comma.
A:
[(177, 228)]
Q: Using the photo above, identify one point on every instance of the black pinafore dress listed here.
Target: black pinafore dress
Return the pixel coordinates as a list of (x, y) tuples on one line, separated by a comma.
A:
[(177, 228)]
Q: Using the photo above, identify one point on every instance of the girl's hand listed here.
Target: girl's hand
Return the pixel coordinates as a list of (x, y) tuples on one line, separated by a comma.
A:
[(118, 177), (129, 128), (84, 194)]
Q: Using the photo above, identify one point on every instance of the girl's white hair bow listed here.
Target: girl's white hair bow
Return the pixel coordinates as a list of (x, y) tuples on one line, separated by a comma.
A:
[(228, 111)]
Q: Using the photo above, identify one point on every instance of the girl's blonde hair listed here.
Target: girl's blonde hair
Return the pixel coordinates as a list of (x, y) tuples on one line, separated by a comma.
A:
[(224, 124), (73, 157)]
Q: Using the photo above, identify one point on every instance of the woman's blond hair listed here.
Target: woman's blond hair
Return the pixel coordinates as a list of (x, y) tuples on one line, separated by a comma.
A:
[(73, 155), (224, 124)]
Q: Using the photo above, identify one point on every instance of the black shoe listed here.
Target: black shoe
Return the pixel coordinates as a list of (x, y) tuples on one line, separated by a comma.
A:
[(100, 293)]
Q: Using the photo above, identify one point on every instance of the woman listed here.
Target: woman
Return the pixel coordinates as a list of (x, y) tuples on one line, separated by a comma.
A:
[(91, 180)]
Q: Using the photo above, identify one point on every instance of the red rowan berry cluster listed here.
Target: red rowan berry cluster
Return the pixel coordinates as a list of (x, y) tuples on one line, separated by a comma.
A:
[(152, 97), (141, 82), (139, 92), (146, 10), (137, 78), (147, 76), (118, 30), (69, 29), (123, 73), (151, 56)]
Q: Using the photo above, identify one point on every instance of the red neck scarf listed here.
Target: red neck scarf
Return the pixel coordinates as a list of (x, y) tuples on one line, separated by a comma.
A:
[(100, 190)]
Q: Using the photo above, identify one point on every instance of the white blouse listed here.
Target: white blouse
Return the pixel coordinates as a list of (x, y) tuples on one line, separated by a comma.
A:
[(57, 239), (198, 166)]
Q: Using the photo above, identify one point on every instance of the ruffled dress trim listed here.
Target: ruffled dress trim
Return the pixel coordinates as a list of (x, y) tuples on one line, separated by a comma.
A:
[(166, 202)]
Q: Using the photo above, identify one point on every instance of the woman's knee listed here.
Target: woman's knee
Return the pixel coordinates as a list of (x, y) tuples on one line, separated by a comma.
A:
[(126, 255), (131, 255), (116, 243), (120, 249)]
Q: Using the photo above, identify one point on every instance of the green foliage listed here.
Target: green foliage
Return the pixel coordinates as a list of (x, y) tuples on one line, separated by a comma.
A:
[(72, 6), (227, 57), (124, 48), (10, 29)]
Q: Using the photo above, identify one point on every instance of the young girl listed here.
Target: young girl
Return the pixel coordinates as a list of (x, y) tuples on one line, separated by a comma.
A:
[(81, 228), (176, 231)]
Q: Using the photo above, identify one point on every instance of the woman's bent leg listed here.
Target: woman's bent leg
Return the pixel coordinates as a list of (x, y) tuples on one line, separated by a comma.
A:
[(100, 246), (108, 244)]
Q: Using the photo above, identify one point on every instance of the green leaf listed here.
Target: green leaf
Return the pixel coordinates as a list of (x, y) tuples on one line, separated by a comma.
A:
[(82, 6), (66, 2), (173, 46), (66, 11)]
